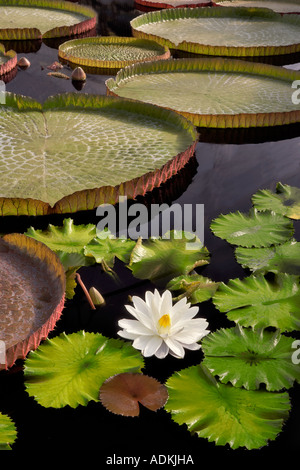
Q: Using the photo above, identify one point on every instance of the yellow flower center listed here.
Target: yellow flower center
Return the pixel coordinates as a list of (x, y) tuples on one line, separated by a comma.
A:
[(165, 321)]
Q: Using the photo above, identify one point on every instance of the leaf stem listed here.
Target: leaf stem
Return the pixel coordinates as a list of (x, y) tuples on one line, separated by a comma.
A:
[(85, 291)]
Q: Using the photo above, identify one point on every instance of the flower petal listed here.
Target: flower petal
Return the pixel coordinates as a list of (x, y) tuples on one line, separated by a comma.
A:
[(134, 326), (141, 342), (152, 346), (162, 351), (126, 335), (190, 334), (140, 316), (175, 347), (192, 346)]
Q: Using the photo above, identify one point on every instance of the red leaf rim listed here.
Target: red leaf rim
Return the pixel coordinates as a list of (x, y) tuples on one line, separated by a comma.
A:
[(11, 62), (91, 198), (162, 5), (37, 250)]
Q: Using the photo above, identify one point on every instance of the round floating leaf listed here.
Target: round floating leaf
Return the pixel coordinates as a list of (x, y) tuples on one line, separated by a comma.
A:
[(70, 369), (108, 148), (286, 200), (229, 31), (257, 302), (161, 259), (8, 432), (283, 6), (8, 61), (225, 414), (112, 52), (122, 393), (33, 19), (32, 286), (260, 229), (249, 358), (283, 258), (211, 91), (195, 287)]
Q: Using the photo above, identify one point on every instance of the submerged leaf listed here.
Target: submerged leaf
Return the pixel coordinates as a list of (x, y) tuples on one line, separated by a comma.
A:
[(122, 393), (249, 358), (225, 414), (260, 229), (8, 432), (286, 200), (194, 287), (161, 259), (70, 369), (257, 302)]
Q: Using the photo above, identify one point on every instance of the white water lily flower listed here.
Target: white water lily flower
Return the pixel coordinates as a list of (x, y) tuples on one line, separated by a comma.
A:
[(160, 327)]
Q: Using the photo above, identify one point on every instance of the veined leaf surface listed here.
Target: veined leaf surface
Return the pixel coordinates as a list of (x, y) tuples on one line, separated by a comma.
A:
[(285, 201), (225, 414), (288, 6), (8, 432)]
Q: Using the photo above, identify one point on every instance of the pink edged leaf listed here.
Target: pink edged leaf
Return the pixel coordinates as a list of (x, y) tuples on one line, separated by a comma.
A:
[(122, 393), (32, 291)]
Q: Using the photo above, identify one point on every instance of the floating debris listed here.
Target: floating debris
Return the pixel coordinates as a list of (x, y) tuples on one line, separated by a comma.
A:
[(55, 66), (59, 75)]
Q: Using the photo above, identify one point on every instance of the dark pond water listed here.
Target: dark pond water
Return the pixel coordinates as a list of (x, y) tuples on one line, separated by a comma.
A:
[(227, 169)]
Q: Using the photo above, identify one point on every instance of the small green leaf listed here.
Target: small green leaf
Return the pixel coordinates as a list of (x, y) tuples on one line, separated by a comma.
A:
[(253, 229), (286, 200), (257, 302), (195, 287), (70, 369), (69, 238), (283, 258), (248, 358), (225, 414), (161, 259), (106, 249), (8, 432)]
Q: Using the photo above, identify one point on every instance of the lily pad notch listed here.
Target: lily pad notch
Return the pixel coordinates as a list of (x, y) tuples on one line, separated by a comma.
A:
[(37, 279), (112, 52), (85, 19)]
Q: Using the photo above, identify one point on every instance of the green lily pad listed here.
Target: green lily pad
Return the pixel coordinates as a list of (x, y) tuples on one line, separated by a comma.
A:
[(254, 301), (283, 258), (8, 432), (195, 287), (70, 369), (225, 414), (8, 60), (249, 358), (286, 200), (259, 229), (161, 259), (210, 92), (108, 249), (289, 6), (33, 19), (229, 31), (108, 148), (111, 52)]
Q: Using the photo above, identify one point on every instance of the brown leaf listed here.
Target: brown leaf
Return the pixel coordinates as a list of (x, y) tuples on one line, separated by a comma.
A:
[(122, 393)]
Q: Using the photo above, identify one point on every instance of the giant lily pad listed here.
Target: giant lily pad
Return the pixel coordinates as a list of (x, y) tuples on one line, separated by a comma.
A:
[(34, 19), (213, 92), (107, 148), (8, 60), (112, 52), (225, 414), (283, 6), (32, 286), (173, 3), (229, 31)]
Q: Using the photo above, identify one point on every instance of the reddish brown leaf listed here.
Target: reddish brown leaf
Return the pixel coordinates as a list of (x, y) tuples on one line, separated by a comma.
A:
[(122, 393)]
